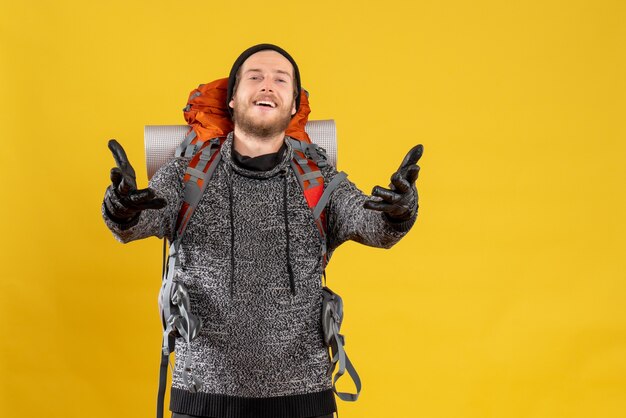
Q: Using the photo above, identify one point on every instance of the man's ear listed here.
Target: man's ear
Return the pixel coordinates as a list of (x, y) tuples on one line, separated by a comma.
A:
[(231, 103), (293, 108)]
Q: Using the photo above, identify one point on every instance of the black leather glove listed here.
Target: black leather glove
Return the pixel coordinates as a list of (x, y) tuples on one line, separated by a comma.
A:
[(400, 202), (122, 201)]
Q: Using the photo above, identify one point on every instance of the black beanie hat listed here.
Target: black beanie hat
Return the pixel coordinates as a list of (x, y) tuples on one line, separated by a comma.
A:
[(253, 50)]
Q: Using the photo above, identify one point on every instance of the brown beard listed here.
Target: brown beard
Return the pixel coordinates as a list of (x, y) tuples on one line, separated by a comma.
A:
[(248, 126)]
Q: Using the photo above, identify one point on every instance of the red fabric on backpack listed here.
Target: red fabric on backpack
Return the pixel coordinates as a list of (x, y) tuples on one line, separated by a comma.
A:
[(207, 114)]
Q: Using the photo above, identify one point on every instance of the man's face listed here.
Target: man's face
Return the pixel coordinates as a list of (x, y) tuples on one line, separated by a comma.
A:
[(264, 101)]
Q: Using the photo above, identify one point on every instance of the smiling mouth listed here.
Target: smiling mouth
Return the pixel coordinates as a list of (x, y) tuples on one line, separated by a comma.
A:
[(265, 103)]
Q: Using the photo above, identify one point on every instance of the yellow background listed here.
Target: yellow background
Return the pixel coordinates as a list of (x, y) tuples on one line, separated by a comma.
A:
[(507, 299)]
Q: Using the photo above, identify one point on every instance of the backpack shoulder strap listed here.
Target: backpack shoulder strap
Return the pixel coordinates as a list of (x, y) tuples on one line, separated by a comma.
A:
[(186, 148), (195, 180), (306, 163)]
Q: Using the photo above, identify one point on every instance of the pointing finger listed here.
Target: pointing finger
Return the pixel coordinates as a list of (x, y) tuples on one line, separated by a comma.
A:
[(120, 158), (128, 181), (413, 156)]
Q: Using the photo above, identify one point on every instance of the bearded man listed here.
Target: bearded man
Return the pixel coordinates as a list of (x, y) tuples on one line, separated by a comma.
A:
[(250, 258)]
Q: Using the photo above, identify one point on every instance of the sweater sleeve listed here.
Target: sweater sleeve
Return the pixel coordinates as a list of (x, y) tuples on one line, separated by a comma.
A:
[(349, 220), (167, 183)]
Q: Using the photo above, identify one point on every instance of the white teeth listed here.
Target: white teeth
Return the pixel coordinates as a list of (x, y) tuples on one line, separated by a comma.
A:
[(266, 102)]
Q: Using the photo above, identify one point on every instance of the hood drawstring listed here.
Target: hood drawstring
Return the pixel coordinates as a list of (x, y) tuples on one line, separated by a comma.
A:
[(286, 216), (231, 170), (232, 231)]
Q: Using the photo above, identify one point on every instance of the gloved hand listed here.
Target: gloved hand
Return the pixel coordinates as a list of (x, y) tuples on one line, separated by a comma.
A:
[(400, 200), (123, 202)]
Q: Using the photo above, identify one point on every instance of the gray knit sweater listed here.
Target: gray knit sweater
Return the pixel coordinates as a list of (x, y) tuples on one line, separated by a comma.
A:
[(259, 339)]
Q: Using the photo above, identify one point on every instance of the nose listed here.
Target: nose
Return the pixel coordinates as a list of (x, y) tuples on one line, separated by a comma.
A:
[(266, 86)]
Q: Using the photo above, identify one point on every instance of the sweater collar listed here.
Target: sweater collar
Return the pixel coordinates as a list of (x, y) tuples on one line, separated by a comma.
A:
[(227, 157)]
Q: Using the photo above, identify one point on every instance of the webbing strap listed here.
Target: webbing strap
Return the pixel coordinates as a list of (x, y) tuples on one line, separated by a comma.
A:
[(311, 175), (341, 357), (302, 161), (194, 172), (299, 145), (165, 359), (334, 183), (346, 396), (188, 332), (181, 150), (203, 160)]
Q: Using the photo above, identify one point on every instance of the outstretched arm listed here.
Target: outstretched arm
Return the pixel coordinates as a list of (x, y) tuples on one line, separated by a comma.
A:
[(133, 214), (380, 220)]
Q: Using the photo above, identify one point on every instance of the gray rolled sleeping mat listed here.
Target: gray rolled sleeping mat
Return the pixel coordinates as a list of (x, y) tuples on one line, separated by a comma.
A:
[(161, 141)]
